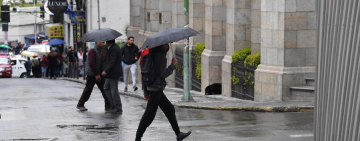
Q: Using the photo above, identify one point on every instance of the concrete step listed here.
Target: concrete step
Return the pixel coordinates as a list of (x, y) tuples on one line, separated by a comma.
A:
[(310, 81), (302, 93)]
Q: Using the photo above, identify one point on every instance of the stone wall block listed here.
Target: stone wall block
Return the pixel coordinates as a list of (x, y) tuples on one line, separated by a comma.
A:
[(257, 87), (217, 28), (280, 57), (218, 13), (135, 11), (243, 4), (256, 35), (135, 2), (215, 73), (216, 2), (196, 1), (306, 38), (267, 89), (219, 43), (266, 38), (154, 4), (311, 20), (279, 5), (166, 17), (255, 18), (240, 32), (310, 56), (295, 21), (200, 10), (255, 47), (198, 24), (305, 5), (290, 39), (295, 57), (242, 16), (248, 32), (267, 5), (230, 16), (256, 4), (290, 5), (230, 32), (278, 39), (154, 26), (263, 56), (272, 56)]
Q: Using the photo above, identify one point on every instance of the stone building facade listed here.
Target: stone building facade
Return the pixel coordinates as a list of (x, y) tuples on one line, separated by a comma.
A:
[(282, 30)]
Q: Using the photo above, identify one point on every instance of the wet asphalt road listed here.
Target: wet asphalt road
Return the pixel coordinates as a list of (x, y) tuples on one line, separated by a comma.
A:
[(43, 109)]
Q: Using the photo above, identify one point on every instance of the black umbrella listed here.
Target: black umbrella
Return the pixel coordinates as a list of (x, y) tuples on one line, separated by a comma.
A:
[(168, 35), (98, 35)]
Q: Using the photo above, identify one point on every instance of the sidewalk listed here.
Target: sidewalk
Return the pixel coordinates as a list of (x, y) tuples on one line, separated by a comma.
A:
[(219, 102)]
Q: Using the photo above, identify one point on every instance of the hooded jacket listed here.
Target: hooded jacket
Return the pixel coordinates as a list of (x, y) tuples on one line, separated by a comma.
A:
[(160, 61)]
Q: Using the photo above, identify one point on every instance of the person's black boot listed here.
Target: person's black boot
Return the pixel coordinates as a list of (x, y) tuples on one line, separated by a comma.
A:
[(182, 136)]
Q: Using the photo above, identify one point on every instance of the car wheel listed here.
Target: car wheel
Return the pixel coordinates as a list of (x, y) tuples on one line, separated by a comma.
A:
[(22, 75)]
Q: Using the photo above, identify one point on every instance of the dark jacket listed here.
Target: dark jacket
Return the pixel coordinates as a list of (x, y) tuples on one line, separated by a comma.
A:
[(160, 61), (128, 54), (52, 58), (27, 65), (112, 62), (72, 56), (94, 63)]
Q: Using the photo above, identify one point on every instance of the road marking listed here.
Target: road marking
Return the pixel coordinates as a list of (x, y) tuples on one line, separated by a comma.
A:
[(301, 135)]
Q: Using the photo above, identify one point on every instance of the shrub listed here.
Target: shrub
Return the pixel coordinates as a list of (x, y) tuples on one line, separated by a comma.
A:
[(120, 44), (199, 48), (240, 55), (252, 60)]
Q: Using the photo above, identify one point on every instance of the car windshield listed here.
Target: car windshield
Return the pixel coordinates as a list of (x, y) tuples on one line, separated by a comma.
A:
[(33, 49), (4, 61)]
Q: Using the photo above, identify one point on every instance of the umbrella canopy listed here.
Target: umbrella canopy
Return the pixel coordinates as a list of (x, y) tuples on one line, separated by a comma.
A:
[(168, 35), (5, 46), (98, 35), (56, 42)]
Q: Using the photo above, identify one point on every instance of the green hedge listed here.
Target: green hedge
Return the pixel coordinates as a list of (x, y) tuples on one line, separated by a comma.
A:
[(199, 48), (240, 55), (248, 60)]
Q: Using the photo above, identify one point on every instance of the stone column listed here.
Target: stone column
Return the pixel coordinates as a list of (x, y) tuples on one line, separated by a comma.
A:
[(215, 40), (178, 20), (135, 19), (288, 40), (165, 8), (238, 35), (197, 22), (255, 26)]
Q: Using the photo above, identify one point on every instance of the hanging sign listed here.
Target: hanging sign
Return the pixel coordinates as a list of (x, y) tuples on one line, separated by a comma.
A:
[(78, 17), (46, 8), (57, 7)]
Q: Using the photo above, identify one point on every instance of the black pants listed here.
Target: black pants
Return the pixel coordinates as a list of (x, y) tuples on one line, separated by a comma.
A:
[(52, 70), (47, 71), (157, 99), (90, 83), (34, 72)]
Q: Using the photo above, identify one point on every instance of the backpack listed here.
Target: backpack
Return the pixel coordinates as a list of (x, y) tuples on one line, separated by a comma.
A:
[(148, 72)]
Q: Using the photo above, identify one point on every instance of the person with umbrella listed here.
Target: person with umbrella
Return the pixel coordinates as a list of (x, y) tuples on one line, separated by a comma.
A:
[(130, 54), (111, 70), (154, 72)]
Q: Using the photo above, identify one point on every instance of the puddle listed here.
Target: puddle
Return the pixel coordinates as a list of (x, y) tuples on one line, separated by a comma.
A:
[(92, 128), (38, 139)]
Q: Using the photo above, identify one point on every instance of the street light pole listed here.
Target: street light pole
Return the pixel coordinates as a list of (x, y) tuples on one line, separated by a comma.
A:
[(187, 96), (35, 24), (98, 13)]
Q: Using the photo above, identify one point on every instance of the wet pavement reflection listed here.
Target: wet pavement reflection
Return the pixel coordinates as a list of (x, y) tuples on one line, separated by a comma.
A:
[(42, 109)]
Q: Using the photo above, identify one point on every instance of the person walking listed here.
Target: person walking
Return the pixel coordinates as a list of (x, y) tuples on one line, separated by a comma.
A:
[(34, 66), (80, 56), (130, 54), (157, 97), (93, 69), (43, 65), (60, 67), (72, 59), (53, 63), (27, 66), (112, 71)]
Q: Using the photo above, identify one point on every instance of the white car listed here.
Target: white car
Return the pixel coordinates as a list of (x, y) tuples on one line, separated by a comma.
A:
[(18, 68)]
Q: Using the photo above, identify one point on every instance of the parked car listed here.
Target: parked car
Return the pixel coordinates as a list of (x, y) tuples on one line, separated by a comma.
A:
[(18, 68), (5, 66)]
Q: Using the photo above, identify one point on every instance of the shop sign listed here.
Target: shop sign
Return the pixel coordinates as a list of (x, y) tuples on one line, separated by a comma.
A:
[(56, 31), (57, 7), (78, 17)]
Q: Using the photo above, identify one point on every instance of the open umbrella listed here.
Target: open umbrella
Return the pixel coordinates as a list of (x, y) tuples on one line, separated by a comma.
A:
[(5, 46), (98, 35), (56, 42), (168, 35)]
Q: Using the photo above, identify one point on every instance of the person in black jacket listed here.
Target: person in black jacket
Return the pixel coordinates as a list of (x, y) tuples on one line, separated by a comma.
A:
[(130, 55), (27, 67), (112, 71), (157, 97)]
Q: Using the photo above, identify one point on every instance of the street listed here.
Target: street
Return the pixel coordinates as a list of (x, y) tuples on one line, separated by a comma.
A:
[(43, 109)]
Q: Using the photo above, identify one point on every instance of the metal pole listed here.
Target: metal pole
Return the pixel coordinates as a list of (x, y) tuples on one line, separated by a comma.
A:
[(98, 13), (187, 96)]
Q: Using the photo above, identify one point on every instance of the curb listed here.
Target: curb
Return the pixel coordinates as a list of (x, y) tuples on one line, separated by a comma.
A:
[(247, 109)]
